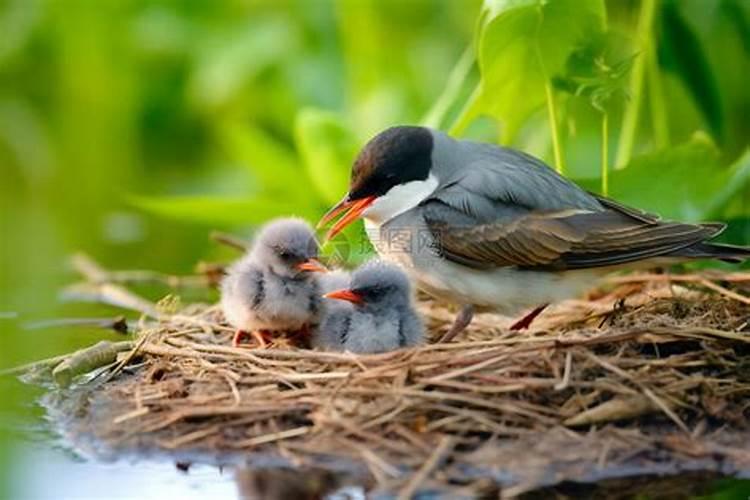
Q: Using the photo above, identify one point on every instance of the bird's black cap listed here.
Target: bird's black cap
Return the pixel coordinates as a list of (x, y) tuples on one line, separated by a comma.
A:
[(395, 156)]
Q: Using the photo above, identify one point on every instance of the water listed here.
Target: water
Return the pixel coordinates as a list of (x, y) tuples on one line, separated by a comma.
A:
[(36, 465), (39, 472)]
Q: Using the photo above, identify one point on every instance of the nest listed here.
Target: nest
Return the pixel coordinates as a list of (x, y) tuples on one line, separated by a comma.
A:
[(649, 375)]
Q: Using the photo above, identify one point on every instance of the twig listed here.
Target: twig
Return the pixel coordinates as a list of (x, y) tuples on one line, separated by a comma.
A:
[(114, 295), (89, 268), (118, 323), (652, 277), (129, 356), (615, 409), (230, 241), (87, 360), (443, 448), (269, 438), (725, 292), (49, 363), (566, 373)]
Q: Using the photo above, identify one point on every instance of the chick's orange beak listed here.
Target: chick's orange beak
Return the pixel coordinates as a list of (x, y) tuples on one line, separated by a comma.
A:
[(312, 265), (353, 209), (347, 295)]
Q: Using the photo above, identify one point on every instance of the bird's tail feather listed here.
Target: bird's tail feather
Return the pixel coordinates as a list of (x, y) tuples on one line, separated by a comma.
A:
[(721, 251)]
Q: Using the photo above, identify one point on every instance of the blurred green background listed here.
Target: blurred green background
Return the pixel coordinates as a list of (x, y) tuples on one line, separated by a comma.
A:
[(131, 128)]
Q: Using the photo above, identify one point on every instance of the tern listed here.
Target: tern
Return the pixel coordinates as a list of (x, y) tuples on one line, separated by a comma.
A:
[(494, 229)]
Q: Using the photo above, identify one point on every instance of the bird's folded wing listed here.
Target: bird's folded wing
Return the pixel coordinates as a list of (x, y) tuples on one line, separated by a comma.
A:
[(561, 239), (505, 208)]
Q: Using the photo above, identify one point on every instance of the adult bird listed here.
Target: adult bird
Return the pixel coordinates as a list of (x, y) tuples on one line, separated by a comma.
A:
[(272, 288), (492, 228)]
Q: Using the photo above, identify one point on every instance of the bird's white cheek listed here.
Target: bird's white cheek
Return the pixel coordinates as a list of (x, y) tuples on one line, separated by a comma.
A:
[(399, 199)]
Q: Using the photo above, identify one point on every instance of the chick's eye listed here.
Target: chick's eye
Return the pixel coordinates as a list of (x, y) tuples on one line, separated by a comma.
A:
[(372, 292), (284, 254)]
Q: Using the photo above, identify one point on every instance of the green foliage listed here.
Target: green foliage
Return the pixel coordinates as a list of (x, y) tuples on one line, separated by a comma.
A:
[(274, 166), (657, 181), (681, 52), (327, 147), (728, 489), (223, 211), (598, 69), (530, 55), (521, 46), (120, 117)]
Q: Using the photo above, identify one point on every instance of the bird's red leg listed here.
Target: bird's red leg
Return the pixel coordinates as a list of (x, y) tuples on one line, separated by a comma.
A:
[(302, 336), (263, 337), (239, 336), (525, 322)]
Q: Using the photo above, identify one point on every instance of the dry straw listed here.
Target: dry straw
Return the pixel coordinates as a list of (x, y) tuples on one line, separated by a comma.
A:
[(650, 373)]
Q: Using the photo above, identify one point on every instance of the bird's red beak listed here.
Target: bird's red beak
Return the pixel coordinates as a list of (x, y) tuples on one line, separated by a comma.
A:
[(347, 295), (353, 208), (312, 265)]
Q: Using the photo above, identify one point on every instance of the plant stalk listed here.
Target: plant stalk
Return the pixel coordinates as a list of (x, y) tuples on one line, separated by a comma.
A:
[(436, 115), (605, 153), (659, 121), (552, 115), (467, 114), (630, 118)]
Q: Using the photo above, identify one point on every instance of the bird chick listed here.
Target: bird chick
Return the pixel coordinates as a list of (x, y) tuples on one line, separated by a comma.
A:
[(334, 280), (272, 287), (330, 282), (379, 315)]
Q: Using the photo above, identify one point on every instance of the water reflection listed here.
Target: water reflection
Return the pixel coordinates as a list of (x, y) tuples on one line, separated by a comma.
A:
[(39, 473)]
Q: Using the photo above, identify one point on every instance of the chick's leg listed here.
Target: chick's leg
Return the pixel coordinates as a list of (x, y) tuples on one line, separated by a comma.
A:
[(302, 337), (264, 338), (261, 337)]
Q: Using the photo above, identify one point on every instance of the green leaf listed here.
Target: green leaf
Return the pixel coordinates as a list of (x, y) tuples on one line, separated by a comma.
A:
[(212, 210), (598, 69), (522, 44), (274, 164), (737, 233), (686, 182), (227, 60), (454, 87), (736, 182), (680, 50), (328, 149)]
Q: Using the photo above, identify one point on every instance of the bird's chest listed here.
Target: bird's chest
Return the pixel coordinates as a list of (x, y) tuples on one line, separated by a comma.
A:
[(407, 242), (372, 333), (291, 300), (403, 240), (506, 290)]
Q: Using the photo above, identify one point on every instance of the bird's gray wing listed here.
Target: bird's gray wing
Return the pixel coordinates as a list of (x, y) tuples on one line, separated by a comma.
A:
[(246, 282), (410, 329), (523, 214), (333, 331), (492, 180)]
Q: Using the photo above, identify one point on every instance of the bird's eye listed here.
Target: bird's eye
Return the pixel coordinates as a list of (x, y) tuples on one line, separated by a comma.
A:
[(285, 254), (371, 292)]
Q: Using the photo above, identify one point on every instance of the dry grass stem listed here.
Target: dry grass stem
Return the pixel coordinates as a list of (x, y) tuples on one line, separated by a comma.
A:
[(656, 359)]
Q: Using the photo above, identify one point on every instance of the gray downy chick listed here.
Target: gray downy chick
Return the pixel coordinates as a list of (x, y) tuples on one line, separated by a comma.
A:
[(330, 282), (272, 288), (381, 316)]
